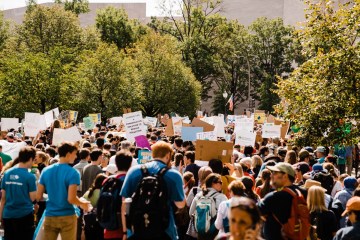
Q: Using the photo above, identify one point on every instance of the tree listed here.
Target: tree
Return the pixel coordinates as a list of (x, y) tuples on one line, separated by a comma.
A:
[(272, 55), (75, 6), (322, 95), (169, 86), (4, 30), (198, 29), (106, 80), (115, 27)]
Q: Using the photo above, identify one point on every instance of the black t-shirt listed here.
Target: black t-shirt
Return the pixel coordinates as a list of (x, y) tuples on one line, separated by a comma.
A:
[(325, 223), (277, 203)]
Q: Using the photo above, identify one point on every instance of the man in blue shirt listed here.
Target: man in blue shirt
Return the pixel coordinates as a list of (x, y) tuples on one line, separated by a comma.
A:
[(161, 152), (60, 181), (18, 189)]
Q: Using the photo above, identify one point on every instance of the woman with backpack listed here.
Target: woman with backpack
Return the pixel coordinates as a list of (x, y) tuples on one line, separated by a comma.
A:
[(206, 204), (323, 221)]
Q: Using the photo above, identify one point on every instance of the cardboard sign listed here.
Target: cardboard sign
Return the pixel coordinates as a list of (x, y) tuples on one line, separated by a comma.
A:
[(127, 110), (12, 149), (270, 131), (270, 119), (199, 123), (144, 156), (66, 135), (177, 125), (285, 129), (260, 116), (189, 133), (142, 142), (88, 123), (207, 150), (96, 117), (34, 122), (169, 130), (211, 136), (64, 116), (134, 125), (8, 123), (245, 138)]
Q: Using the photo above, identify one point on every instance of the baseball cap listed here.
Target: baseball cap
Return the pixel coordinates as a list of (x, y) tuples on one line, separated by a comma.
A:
[(350, 182), (10, 134), (309, 183), (320, 149), (352, 205), (317, 167), (309, 149), (282, 167), (111, 168)]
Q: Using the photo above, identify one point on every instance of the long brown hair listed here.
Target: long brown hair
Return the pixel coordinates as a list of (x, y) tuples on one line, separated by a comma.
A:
[(265, 187), (97, 183), (210, 179)]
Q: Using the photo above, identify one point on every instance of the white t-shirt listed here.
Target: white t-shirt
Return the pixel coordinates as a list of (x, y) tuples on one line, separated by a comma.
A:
[(222, 213), (337, 187)]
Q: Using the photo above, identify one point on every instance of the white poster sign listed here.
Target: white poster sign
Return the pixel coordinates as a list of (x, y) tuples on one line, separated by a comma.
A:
[(219, 126), (116, 121), (270, 131), (34, 122), (177, 125), (206, 136), (12, 149), (152, 121), (49, 118), (134, 125), (56, 112), (66, 135), (8, 123), (245, 137)]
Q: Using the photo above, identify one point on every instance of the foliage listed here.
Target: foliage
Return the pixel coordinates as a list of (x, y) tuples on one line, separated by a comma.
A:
[(75, 6), (169, 86), (106, 81), (115, 27), (4, 30), (322, 95)]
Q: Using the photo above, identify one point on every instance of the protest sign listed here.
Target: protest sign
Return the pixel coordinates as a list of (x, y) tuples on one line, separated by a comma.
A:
[(270, 119), (211, 136), (260, 116), (12, 149), (199, 123), (49, 118), (73, 115), (142, 142), (189, 133), (186, 120), (284, 129), (65, 117), (207, 150), (245, 137), (134, 125), (152, 121), (270, 131), (34, 122), (177, 125), (200, 114), (56, 112), (115, 121), (144, 156), (209, 120), (230, 119), (88, 123), (169, 130), (66, 135), (219, 126), (8, 123), (96, 117)]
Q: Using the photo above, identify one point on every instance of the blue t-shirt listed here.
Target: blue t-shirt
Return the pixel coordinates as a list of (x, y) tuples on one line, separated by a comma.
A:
[(174, 187), (18, 183), (57, 178)]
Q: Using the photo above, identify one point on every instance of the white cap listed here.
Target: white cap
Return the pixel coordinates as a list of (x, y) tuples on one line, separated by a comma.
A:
[(111, 168)]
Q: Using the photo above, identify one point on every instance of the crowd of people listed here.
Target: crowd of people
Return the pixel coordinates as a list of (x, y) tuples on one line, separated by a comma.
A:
[(97, 189)]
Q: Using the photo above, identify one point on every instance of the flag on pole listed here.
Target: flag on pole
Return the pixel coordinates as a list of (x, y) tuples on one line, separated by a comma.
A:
[(231, 103)]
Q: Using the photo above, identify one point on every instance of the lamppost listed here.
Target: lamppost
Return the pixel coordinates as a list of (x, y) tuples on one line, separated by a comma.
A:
[(225, 95)]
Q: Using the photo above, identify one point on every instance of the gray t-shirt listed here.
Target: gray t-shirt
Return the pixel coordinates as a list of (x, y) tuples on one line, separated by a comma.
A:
[(89, 174)]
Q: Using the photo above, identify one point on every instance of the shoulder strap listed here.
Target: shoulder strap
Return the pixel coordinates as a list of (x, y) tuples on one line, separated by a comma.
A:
[(195, 189), (162, 171), (144, 170)]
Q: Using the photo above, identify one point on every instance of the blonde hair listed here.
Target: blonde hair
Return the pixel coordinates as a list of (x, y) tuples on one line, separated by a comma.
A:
[(316, 199), (43, 157), (203, 173), (256, 161)]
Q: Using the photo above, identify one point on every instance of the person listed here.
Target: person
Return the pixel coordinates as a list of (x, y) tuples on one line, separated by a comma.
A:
[(276, 205), (41, 160), (161, 152), (60, 181), (265, 187), (189, 182), (84, 156), (217, 167), (5, 157), (236, 189), (323, 220), (256, 163), (244, 220), (212, 188), (301, 168), (353, 211), (249, 188), (189, 160), (304, 156), (18, 188), (203, 173), (290, 157), (91, 170), (320, 154)]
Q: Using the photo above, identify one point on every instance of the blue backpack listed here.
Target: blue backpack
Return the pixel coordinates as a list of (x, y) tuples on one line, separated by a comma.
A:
[(226, 220)]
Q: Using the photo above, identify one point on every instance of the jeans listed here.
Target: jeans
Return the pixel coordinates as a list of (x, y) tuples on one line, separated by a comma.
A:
[(19, 228), (65, 225)]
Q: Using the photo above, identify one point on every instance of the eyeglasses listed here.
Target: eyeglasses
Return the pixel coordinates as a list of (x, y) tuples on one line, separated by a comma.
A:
[(218, 182)]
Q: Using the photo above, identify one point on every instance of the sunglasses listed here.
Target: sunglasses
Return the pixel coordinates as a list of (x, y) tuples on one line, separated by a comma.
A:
[(218, 182)]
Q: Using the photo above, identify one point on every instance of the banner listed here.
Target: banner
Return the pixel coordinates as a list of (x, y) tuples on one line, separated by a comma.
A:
[(245, 138), (34, 122), (189, 133), (8, 123), (66, 135), (211, 136), (271, 131), (134, 125)]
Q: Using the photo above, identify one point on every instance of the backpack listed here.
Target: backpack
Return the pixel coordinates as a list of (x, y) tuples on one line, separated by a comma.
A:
[(325, 179), (109, 204), (298, 225), (205, 213), (226, 224), (149, 209)]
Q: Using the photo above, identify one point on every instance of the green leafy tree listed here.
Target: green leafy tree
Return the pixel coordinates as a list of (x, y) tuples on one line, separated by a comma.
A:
[(115, 27), (106, 80), (169, 86), (272, 55), (75, 6), (4, 30), (322, 95)]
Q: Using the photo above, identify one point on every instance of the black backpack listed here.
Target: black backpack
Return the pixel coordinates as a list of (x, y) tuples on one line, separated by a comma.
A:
[(326, 180), (109, 204), (149, 210)]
